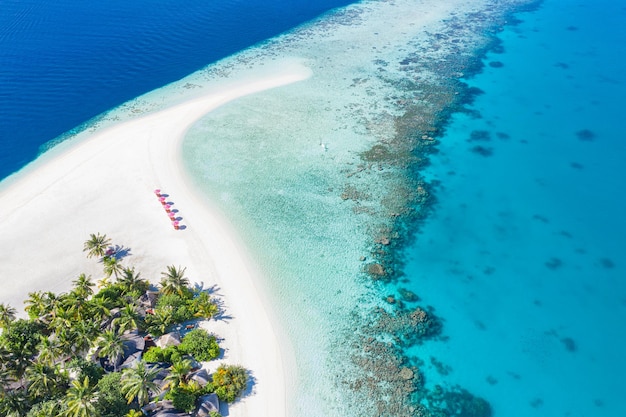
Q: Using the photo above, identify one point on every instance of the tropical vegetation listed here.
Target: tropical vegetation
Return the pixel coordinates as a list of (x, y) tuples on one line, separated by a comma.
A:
[(66, 358)]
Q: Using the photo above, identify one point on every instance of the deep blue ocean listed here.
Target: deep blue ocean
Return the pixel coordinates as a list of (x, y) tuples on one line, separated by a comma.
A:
[(64, 62)]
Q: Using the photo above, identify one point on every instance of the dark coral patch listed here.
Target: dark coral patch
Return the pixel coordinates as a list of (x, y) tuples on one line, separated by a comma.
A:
[(586, 135), (607, 263), (569, 343), (554, 263), (496, 64), (480, 136), (482, 150), (491, 380), (576, 165)]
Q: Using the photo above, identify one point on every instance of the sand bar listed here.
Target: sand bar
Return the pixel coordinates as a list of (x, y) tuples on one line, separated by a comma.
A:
[(105, 184)]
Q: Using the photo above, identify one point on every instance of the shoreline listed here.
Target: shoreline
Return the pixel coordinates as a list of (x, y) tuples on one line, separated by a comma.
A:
[(104, 184)]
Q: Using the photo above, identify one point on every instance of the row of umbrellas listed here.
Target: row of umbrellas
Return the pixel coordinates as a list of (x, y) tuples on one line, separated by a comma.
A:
[(167, 205)]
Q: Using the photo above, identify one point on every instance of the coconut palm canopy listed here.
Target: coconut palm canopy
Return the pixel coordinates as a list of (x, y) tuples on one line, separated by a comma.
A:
[(52, 363)]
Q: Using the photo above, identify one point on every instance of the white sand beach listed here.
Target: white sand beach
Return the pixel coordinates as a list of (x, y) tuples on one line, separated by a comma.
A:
[(105, 184)]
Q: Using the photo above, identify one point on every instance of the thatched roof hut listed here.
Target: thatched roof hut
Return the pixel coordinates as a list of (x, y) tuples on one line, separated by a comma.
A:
[(201, 377), (208, 403), (168, 339)]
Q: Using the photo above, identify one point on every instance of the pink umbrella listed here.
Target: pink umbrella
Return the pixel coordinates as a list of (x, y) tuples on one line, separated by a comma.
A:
[(157, 191)]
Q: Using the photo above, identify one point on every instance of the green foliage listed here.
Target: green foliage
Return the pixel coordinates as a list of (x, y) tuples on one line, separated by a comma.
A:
[(138, 383), (182, 398), (229, 382), (85, 368), (79, 400), (22, 336), (202, 306), (170, 354), (96, 245), (7, 315), (14, 403), (180, 310), (175, 282), (111, 401), (113, 294), (201, 345), (154, 354), (47, 409), (45, 381)]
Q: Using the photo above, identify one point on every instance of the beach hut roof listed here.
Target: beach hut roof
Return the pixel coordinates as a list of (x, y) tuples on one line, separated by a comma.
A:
[(168, 339), (133, 342), (208, 403), (130, 360), (201, 377)]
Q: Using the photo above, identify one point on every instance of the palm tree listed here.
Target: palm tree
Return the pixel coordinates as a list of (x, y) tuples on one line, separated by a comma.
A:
[(14, 403), (96, 245), (174, 281), (112, 266), (51, 303), (204, 306), (44, 380), (82, 335), (128, 319), (61, 321), (179, 373), (111, 346), (46, 409), (35, 304), (7, 315), (131, 282), (80, 400), (49, 350), (157, 323), (138, 382), (76, 305), (99, 308), (83, 287)]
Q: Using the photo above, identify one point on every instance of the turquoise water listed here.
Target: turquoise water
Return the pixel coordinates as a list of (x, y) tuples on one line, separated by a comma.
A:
[(524, 253), (319, 178)]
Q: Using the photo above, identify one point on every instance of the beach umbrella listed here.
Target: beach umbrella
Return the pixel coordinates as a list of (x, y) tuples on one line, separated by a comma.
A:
[(157, 192)]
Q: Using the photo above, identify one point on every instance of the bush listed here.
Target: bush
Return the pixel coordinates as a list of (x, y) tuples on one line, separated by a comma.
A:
[(201, 345), (229, 382), (111, 401), (180, 310), (182, 399), (113, 293), (22, 336), (85, 368), (47, 409), (154, 354), (170, 354)]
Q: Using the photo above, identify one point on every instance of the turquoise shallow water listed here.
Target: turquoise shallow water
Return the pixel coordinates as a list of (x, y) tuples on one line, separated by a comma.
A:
[(524, 253)]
